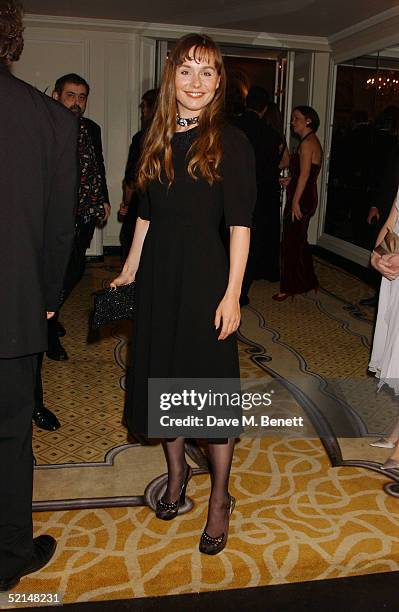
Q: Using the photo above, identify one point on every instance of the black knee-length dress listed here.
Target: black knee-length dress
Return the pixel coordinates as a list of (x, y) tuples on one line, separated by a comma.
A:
[(183, 272)]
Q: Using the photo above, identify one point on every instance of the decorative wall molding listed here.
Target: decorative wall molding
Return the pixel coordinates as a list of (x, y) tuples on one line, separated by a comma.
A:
[(147, 64), (320, 215), (171, 31), (375, 20), (319, 98), (368, 36)]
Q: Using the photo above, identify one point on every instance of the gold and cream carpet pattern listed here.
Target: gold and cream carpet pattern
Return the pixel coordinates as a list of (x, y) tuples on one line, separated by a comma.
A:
[(297, 518), (84, 392)]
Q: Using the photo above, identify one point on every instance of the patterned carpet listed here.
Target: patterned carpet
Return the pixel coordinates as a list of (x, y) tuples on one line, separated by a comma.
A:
[(83, 392), (327, 334), (297, 518)]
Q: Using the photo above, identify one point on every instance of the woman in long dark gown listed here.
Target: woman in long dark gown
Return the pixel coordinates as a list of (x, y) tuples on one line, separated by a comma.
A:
[(297, 272), (194, 170)]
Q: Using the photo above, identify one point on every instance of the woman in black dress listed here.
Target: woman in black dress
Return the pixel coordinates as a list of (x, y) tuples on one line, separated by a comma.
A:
[(194, 170)]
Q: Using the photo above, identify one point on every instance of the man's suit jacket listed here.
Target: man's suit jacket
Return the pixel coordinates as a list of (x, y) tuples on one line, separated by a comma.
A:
[(388, 186), (38, 188), (266, 143), (95, 135)]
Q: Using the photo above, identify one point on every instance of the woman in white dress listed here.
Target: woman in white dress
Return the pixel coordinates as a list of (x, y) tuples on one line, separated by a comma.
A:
[(385, 354)]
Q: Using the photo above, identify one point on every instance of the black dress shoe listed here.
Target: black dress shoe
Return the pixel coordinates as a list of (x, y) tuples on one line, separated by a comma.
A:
[(57, 352), (43, 549), (60, 329), (45, 419)]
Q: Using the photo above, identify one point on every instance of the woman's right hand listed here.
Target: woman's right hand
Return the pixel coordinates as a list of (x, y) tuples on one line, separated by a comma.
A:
[(296, 213), (374, 260), (124, 278), (123, 208)]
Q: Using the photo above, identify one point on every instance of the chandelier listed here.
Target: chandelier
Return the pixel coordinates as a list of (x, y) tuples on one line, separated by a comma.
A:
[(384, 84)]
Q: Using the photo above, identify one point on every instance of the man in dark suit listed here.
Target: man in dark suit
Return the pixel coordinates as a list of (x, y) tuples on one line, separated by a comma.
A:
[(129, 206), (382, 198), (38, 170), (263, 260), (72, 91)]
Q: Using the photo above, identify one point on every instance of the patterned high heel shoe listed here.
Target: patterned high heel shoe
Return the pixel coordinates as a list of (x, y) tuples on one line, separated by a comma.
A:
[(168, 510), (213, 546)]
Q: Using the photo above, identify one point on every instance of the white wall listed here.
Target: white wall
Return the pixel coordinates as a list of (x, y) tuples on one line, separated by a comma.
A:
[(109, 61)]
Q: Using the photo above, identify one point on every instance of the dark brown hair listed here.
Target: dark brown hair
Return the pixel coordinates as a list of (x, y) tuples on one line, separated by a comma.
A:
[(73, 78), (257, 98), (205, 154), (150, 97), (11, 28), (309, 113)]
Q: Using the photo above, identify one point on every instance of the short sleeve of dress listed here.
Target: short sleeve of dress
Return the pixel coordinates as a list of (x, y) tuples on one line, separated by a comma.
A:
[(239, 178), (144, 208)]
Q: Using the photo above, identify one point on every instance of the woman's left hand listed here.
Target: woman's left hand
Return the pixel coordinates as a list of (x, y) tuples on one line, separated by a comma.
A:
[(229, 314), (296, 212)]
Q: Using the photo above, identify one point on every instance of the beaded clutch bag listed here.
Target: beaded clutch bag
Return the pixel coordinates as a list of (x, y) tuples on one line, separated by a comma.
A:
[(113, 305)]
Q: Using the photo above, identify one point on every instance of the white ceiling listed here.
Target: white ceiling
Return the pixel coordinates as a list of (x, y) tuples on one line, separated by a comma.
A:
[(298, 17)]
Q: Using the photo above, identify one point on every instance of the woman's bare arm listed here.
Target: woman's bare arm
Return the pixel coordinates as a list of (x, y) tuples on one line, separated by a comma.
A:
[(387, 265), (130, 268), (228, 312), (285, 158), (127, 192), (305, 159)]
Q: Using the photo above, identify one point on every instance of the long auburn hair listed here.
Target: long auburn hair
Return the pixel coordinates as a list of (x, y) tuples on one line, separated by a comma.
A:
[(205, 154)]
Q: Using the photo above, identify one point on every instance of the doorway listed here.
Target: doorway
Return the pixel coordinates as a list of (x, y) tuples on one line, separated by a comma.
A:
[(245, 68)]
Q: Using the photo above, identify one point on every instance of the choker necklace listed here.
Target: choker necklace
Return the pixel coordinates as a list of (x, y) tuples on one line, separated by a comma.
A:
[(183, 122)]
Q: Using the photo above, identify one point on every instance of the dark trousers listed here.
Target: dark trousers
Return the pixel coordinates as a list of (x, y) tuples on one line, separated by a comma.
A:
[(77, 260), (17, 385), (250, 270), (269, 259), (264, 249), (73, 275), (38, 384)]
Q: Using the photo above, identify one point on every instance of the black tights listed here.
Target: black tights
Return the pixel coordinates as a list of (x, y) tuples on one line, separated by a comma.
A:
[(220, 457)]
